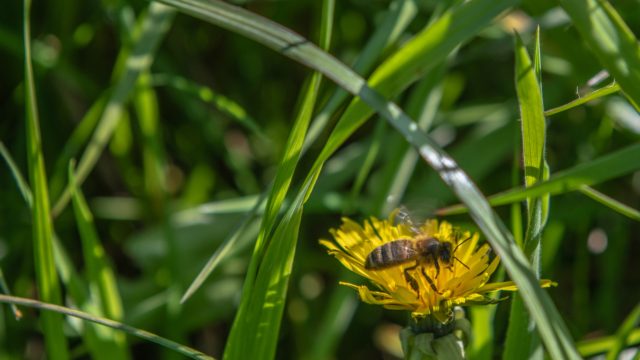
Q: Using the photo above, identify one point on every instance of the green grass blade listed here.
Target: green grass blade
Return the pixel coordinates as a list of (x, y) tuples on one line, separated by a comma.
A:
[(21, 182), (604, 168), (267, 279), (264, 295), (100, 275), (142, 334), (229, 245), (614, 204), (604, 91), (613, 43), (516, 207), (4, 289), (531, 115), (551, 328), (336, 318), (366, 167), (262, 315), (445, 36), (522, 342), (78, 139), (419, 55), (76, 287), (46, 276), (154, 26), (631, 322), (287, 167), (74, 284), (207, 95), (153, 158), (591, 347), (395, 21), (154, 177), (264, 292), (399, 168)]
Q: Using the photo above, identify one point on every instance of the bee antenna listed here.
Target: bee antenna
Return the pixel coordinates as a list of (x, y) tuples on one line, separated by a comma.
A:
[(460, 243), (460, 261)]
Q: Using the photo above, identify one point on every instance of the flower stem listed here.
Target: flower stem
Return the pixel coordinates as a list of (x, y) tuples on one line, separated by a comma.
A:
[(427, 338)]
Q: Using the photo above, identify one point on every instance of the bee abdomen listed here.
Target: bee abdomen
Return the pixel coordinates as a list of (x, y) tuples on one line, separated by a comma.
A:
[(390, 254)]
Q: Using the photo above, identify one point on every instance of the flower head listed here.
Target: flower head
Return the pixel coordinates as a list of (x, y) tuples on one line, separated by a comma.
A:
[(427, 270)]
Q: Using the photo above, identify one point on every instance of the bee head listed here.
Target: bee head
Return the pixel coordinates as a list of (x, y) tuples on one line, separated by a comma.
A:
[(444, 253)]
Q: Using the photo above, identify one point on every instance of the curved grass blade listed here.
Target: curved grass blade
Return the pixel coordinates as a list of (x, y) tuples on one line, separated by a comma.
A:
[(522, 342), (46, 276), (154, 26), (552, 329), (395, 21), (21, 182), (423, 103), (591, 347), (610, 38), (206, 94), (614, 204), (145, 335), (604, 91), (604, 168)]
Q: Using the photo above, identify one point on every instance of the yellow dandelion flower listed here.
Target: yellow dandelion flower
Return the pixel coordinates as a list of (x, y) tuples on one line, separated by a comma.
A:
[(427, 271)]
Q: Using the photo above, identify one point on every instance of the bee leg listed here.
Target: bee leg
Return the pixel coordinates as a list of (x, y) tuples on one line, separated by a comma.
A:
[(430, 281), (411, 280), (437, 268)]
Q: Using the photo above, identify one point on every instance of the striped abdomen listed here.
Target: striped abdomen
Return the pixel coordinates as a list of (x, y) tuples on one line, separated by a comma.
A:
[(390, 254)]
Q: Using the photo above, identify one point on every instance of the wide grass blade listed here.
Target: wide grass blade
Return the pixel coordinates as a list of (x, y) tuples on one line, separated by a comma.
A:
[(604, 168), (100, 276), (267, 279), (522, 342), (154, 26), (438, 40), (266, 283), (46, 276), (265, 286), (145, 335), (610, 38)]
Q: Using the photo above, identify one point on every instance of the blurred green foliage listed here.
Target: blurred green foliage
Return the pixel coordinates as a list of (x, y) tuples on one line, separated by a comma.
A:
[(202, 134)]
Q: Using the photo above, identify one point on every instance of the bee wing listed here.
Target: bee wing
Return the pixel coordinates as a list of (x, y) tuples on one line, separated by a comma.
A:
[(404, 216)]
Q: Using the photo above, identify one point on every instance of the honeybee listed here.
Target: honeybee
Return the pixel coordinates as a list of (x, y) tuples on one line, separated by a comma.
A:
[(422, 248)]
